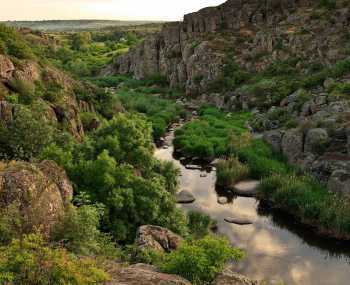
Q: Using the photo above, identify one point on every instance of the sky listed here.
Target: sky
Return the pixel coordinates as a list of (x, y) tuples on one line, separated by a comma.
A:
[(168, 10)]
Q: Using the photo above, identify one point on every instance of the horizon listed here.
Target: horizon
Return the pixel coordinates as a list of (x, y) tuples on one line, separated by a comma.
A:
[(108, 10)]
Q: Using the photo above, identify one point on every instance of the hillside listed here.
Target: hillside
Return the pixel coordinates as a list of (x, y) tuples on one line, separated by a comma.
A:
[(287, 61)]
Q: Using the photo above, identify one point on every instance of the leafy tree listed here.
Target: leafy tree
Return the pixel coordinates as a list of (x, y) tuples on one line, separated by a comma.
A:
[(25, 136), (81, 40)]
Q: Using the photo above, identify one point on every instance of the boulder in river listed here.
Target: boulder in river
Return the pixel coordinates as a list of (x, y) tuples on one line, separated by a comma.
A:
[(222, 200), (185, 197), (247, 188), (193, 167), (242, 221)]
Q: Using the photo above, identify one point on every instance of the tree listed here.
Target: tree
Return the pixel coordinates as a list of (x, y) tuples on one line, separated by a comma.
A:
[(80, 41)]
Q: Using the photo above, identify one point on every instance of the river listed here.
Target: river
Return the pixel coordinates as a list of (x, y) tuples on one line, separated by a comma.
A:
[(277, 248)]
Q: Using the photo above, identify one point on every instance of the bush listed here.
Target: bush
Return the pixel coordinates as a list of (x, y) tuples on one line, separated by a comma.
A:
[(230, 172), (79, 230), (199, 224), (200, 261), (26, 91), (26, 136), (31, 261)]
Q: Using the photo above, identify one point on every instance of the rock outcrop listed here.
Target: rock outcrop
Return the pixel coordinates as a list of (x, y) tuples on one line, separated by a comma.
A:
[(141, 274), (228, 277), (39, 193), (157, 238), (29, 72), (192, 53)]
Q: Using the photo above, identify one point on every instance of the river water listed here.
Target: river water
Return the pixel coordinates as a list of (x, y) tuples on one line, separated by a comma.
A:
[(277, 248)]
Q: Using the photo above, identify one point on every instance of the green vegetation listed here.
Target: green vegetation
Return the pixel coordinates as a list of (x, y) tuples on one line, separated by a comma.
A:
[(200, 261), (230, 172), (207, 137), (32, 261), (26, 135), (310, 201), (160, 112), (116, 168)]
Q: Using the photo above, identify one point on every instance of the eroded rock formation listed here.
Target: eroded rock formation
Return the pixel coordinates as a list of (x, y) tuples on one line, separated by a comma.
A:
[(37, 193)]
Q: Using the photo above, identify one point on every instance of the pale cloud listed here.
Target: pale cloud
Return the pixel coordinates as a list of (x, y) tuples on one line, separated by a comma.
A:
[(101, 9)]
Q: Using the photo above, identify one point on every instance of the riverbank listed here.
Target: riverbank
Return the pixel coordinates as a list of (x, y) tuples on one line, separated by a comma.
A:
[(283, 186), (283, 249)]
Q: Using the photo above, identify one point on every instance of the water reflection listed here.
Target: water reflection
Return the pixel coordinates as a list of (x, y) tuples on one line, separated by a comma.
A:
[(277, 247)]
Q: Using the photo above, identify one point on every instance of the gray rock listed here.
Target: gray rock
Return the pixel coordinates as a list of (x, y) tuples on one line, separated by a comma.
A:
[(222, 200), (339, 182), (185, 197), (274, 138), (247, 188), (292, 145), (315, 140), (241, 221), (157, 238), (228, 277), (142, 274)]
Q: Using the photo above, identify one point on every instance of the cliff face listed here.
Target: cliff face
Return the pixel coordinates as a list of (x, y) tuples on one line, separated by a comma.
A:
[(311, 126), (192, 53)]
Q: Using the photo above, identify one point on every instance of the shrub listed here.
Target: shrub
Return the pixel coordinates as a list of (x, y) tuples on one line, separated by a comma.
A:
[(26, 136), (31, 261), (199, 261), (230, 172), (79, 230), (26, 91), (199, 224)]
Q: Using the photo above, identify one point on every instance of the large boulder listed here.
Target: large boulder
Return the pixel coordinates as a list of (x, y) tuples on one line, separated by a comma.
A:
[(6, 68), (292, 145), (228, 277), (141, 274), (39, 193), (339, 182), (274, 138), (157, 238), (316, 140)]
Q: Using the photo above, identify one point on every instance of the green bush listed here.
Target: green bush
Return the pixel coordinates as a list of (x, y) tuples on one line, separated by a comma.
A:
[(26, 135), (199, 224), (199, 261), (31, 261), (230, 172), (26, 91), (80, 231)]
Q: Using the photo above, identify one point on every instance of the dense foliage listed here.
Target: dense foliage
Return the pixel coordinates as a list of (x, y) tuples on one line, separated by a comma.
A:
[(32, 261), (207, 137), (200, 261), (116, 168)]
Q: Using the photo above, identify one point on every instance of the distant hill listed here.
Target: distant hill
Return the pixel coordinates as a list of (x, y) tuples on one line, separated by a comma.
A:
[(75, 25)]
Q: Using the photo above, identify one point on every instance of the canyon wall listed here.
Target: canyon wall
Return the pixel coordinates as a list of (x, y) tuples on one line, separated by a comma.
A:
[(192, 53)]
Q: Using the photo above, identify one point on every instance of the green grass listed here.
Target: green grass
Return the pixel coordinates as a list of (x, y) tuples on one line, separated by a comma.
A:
[(160, 112), (284, 186), (207, 137)]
